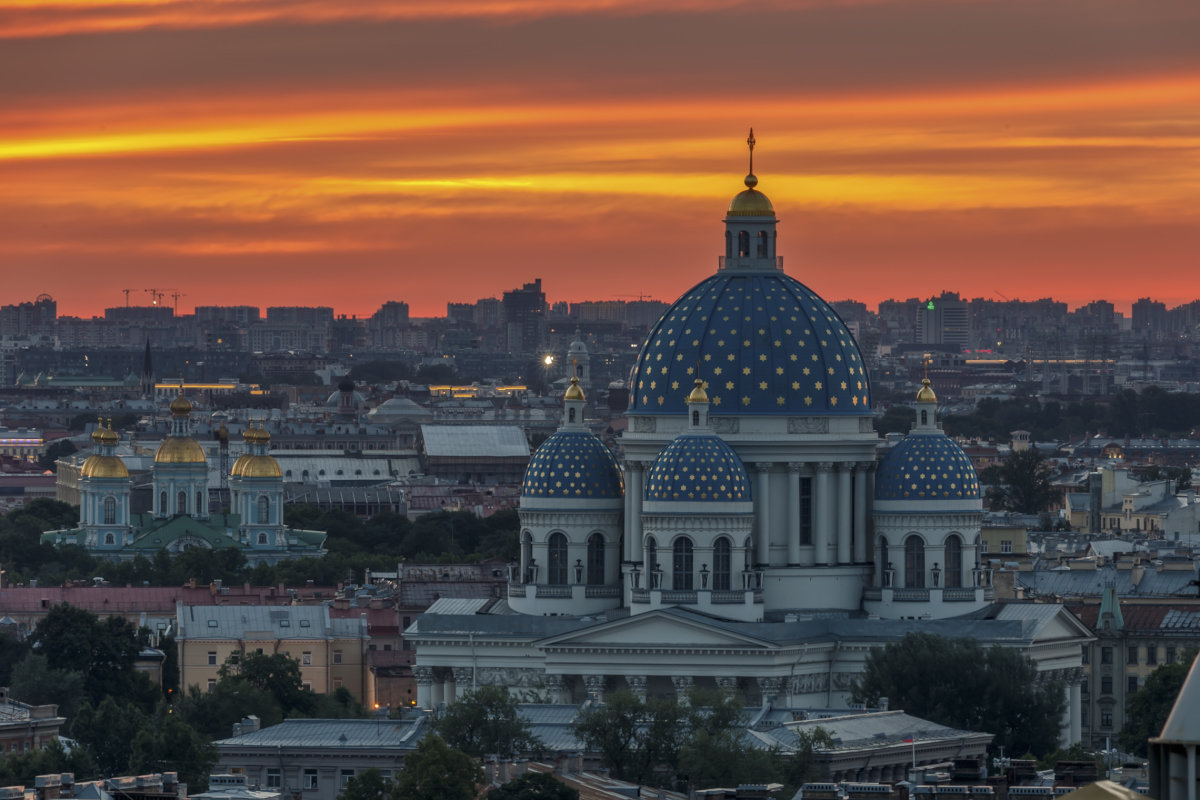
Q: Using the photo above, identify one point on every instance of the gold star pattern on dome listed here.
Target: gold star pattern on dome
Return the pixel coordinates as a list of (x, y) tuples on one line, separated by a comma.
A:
[(779, 338), (927, 467), (573, 465), (698, 467)]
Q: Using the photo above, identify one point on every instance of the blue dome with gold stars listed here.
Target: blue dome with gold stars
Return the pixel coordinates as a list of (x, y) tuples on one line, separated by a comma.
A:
[(927, 466), (572, 465), (764, 342), (698, 467)]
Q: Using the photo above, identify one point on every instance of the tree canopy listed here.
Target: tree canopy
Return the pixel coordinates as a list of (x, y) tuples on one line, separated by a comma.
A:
[(1147, 710), (1020, 483), (487, 721), (960, 683), (533, 786), (436, 771)]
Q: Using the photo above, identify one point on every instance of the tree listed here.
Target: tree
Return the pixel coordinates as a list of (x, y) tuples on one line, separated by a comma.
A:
[(1147, 710), (277, 674), (34, 682), (57, 450), (108, 731), (436, 771), (368, 785), (534, 786), (487, 721), (1023, 483), (170, 744), (958, 682)]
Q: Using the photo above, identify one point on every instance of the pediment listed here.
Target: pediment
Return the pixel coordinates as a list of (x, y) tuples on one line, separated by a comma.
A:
[(1064, 625), (658, 630)]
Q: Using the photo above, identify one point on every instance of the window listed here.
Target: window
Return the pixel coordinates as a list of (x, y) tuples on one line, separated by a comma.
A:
[(337, 656), (1170, 655), (914, 562), (1106, 654), (345, 777), (595, 560), (806, 511), (181, 503), (1131, 684), (337, 682), (162, 502), (743, 244), (200, 509), (762, 244), (953, 562), (924, 417), (212, 683), (722, 564), (110, 511), (110, 538), (1106, 684), (262, 538), (1083, 716), (1105, 719), (310, 779), (274, 778), (1086, 655), (1151, 654), (570, 415), (651, 554), (264, 510), (728, 244), (1083, 686), (212, 658), (1006, 545), (681, 565), (306, 658), (1132, 655), (556, 572)]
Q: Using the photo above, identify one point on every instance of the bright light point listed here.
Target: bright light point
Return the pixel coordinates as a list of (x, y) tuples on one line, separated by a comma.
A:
[(548, 360)]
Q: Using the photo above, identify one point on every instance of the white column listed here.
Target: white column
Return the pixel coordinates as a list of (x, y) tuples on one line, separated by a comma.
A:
[(763, 512), (843, 527), (634, 523), (1067, 718), (823, 503), (862, 552), (424, 678), (793, 531), (1076, 712)]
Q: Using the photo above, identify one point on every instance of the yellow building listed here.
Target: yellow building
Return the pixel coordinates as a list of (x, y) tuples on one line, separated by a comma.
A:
[(331, 652)]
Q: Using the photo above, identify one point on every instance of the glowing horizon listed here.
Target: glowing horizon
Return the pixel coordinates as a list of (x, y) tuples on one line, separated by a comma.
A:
[(312, 153)]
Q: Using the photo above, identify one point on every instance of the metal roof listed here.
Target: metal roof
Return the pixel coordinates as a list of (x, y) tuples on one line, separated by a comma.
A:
[(327, 733), (490, 441), (282, 622)]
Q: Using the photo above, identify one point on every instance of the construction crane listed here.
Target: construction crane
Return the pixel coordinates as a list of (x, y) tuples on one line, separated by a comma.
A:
[(156, 294), (176, 296), (127, 291)]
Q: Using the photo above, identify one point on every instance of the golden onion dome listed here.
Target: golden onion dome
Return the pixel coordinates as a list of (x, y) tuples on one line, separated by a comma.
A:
[(257, 467), (108, 435), (698, 395), (926, 395), (181, 406), (751, 202), (573, 391), (180, 450), (98, 434), (253, 435), (103, 467)]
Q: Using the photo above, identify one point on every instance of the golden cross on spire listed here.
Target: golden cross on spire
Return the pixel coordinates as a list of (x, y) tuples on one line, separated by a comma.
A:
[(750, 141)]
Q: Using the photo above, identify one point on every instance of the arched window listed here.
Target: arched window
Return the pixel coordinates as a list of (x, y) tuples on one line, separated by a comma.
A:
[(924, 417), (110, 511), (595, 560), (743, 244), (728, 244), (914, 562), (181, 503), (762, 244), (651, 554), (722, 564), (262, 538), (556, 570), (200, 509), (110, 539), (681, 564), (954, 565), (264, 510), (696, 418), (571, 415), (162, 502)]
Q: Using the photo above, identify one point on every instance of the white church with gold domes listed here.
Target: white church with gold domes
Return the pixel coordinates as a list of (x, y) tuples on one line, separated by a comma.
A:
[(753, 537), (180, 517)]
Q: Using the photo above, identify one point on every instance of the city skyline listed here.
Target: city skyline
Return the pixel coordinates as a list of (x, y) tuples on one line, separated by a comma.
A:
[(265, 154)]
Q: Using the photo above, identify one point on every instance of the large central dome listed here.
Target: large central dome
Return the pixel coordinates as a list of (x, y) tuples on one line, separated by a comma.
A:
[(764, 342)]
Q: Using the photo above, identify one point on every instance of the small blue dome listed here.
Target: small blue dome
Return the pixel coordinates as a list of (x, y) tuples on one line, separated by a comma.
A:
[(698, 467), (766, 344), (573, 465), (929, 466)]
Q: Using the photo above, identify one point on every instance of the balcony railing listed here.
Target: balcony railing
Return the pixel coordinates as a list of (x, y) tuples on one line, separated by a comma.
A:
[(610, 590), (685, 596), (958, 595), (724, 262), (553, 591), (873, 594), (516, 590), (911, 595)]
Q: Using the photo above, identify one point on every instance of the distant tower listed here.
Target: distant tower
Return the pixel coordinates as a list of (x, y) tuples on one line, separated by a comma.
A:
[(180, 468), (579, 362), (347, 403), (256, 492), (147, 373), (104, 492)]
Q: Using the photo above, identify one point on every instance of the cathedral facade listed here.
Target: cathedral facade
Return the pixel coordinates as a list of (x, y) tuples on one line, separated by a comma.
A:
[(753, 537)]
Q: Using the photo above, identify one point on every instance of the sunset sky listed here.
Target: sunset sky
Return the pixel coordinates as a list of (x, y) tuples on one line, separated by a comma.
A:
[(349, 152)]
